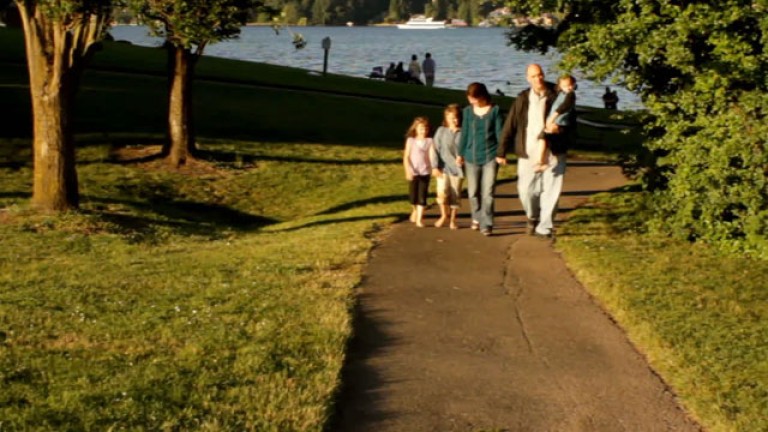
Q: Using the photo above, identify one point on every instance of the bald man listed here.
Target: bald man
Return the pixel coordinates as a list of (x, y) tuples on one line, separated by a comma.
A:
[(538, 191)]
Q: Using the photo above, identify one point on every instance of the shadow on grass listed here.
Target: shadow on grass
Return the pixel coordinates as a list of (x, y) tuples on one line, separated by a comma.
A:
[(138, 160), (15, 165), (15, 195), (185, 216), (586, 164), (213, 213), (246, 158), (619, 212), (360, 203)]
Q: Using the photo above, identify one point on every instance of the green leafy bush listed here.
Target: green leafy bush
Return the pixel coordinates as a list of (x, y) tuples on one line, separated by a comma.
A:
[(701, 68)]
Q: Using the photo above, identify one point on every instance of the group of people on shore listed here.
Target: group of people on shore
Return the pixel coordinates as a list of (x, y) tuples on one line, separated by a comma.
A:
[(415, 70), (473, 142)]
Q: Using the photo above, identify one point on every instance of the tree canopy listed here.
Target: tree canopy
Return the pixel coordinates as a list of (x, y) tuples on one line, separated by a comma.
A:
[(192, 24), (701, 68)]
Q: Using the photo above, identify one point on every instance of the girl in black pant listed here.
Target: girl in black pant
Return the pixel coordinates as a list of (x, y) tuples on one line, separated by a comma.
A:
[(416, 161)]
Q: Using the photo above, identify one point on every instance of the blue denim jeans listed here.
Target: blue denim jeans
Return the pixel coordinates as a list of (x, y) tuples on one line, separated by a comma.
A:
[(481, 184)]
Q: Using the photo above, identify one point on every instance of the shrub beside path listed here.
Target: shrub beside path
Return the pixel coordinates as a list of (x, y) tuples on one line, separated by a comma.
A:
[(458, 332)]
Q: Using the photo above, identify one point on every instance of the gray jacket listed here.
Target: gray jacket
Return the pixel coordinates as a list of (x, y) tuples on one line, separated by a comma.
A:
[(446, 149)]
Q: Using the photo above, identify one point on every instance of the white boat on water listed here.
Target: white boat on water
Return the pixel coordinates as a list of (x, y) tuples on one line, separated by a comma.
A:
[(420, 22)]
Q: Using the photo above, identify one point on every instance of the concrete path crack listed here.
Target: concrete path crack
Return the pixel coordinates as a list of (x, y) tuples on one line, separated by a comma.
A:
[(521, 346)]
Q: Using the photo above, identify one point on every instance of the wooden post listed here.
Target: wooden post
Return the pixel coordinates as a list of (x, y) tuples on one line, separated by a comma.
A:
[(326, 47)]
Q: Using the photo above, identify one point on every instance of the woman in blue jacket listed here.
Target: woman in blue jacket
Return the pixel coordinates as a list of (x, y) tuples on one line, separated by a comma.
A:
[(480, 133)]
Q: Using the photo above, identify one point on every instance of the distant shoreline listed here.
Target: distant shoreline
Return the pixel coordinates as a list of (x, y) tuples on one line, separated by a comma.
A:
[(298, 25)]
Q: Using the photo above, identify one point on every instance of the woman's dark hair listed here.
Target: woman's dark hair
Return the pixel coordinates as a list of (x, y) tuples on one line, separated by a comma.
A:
[(479, 91)]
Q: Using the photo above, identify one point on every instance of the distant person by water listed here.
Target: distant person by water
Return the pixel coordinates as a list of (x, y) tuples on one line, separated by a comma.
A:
[(414, 69), (390, 74), (400, 73), (428, 66), (610, 99)]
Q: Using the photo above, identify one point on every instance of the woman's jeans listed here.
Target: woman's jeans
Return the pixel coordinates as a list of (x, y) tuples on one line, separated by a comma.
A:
[(481, 183)]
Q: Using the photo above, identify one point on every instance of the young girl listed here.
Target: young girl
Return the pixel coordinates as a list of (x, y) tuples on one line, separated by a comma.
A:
[(449, 174), (560, 114), (416, 161)]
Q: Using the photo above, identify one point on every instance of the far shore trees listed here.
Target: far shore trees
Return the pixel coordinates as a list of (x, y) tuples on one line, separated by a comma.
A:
[(700, 67), (188, 26), (59, 38)]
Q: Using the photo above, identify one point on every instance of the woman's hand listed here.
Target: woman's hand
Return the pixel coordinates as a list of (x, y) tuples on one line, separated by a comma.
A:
[(459, 161), (501, 161)]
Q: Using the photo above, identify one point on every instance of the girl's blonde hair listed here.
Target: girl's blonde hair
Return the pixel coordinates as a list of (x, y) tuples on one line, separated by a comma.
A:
[(411, 133), (455, 109)]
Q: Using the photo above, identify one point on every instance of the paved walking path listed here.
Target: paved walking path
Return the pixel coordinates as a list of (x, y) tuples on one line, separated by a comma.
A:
[(458, 332)]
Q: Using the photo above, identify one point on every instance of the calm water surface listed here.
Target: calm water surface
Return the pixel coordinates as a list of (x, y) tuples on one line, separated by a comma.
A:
[(462, 55)]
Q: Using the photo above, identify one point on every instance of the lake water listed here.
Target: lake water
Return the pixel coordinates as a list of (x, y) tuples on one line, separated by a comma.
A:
[(462, 55)]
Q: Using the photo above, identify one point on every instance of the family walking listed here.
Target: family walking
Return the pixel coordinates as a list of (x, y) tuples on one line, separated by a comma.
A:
[(472, 143)]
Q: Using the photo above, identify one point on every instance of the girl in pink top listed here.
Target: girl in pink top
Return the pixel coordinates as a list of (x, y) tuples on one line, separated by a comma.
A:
[(418, 167)]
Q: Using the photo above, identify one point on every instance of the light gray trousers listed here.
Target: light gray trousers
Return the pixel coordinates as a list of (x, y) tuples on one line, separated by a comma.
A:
[(539, 192)]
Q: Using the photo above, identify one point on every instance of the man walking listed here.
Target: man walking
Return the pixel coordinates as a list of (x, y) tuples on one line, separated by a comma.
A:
[(538, 191), (428, 67)]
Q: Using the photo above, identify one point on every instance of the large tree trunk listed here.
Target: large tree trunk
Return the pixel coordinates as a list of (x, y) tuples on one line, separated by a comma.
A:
[(180, 128), (55, 186), (56, 49)]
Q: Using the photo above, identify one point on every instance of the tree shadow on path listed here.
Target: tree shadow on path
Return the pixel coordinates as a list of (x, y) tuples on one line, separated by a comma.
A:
[(361, 381)]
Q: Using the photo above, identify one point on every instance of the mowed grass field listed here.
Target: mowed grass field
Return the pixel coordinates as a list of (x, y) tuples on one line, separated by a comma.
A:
[(700, 317), (212, 298), (220, 296), (215, 297)]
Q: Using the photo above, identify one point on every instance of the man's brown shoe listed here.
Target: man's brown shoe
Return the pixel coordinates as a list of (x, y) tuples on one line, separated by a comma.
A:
[(530, 227)]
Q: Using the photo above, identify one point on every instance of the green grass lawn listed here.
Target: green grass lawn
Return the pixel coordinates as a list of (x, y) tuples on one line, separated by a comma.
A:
[(219, 296), (701, 318), (214, 299)]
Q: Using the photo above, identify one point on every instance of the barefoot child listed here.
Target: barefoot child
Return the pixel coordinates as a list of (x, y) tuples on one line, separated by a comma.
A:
[(449, 174), (416, 161), (561, 115)]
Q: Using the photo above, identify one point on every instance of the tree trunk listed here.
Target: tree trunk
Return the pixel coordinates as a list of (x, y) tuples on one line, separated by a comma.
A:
[(180, 128), (52, 86), (55, 186)]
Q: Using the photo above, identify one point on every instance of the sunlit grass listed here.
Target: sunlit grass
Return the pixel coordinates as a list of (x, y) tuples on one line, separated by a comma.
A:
[(145, 311), (700, 317)]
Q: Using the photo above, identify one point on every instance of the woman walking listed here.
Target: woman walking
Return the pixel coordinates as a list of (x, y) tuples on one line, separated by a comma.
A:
[(480, 133)]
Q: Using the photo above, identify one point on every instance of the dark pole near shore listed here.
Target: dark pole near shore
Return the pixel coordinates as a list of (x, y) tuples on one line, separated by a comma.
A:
[(326, 48)]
